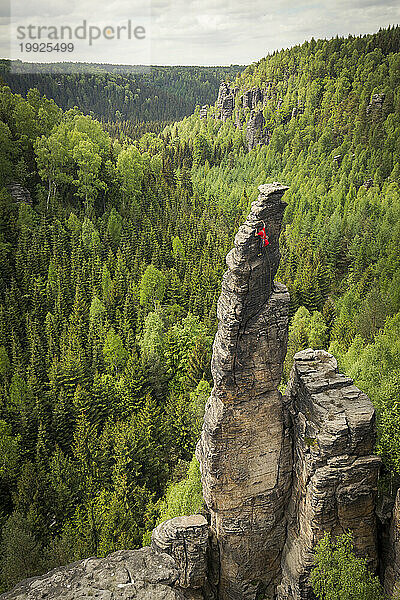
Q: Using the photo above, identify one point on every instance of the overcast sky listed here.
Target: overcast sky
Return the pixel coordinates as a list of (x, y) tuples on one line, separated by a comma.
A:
[(208, 32)]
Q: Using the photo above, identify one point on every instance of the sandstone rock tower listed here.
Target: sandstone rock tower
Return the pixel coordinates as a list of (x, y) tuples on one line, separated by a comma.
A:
[(335, 472), (245, 450), (278, 472)]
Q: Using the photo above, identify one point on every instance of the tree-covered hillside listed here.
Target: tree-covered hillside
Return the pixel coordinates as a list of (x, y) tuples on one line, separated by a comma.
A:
[(109, 281), (117, 93)]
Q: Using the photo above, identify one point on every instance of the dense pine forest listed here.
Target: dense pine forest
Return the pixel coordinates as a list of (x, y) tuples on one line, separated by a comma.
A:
[(117, 94), (110, 274)]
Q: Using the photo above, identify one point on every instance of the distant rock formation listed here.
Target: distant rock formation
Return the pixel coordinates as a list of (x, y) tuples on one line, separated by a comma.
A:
[(247, 99), (376, 104), (19, 192), (335, 473), (255, 131), (252, 97), (257, 97), (225, 101), (227, 107), (224, 90), (231, 105), (245, 450)]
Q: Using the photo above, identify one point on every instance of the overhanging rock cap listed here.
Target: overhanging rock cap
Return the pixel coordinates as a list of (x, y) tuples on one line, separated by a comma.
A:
[(266, 189), (269, 199)]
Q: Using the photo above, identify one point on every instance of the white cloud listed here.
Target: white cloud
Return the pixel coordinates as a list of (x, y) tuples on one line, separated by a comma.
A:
[(215, 31)]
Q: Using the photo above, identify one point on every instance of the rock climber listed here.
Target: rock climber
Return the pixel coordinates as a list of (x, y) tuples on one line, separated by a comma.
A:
[(263, 236)]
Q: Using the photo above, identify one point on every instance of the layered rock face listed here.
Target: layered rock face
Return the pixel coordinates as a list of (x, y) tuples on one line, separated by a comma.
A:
[(335, 472), (255, 133), (247, 99), (227, 107), (279, 472), (186, 540), (224, 90), (245, 450)]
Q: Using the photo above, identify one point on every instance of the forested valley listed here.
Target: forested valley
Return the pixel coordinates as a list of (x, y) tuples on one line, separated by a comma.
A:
[(111, 270), (129, 100)]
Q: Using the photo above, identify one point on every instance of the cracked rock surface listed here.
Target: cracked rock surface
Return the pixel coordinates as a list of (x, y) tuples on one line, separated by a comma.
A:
[(244, 450), (124, 575)]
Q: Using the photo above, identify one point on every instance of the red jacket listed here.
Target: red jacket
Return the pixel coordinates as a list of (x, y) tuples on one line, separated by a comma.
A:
[(263, 236)]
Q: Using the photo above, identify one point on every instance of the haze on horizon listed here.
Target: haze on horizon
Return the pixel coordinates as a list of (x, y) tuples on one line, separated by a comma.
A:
[(211, 32)]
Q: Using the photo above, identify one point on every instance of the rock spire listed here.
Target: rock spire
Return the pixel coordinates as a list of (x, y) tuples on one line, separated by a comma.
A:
[(245, 450)]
